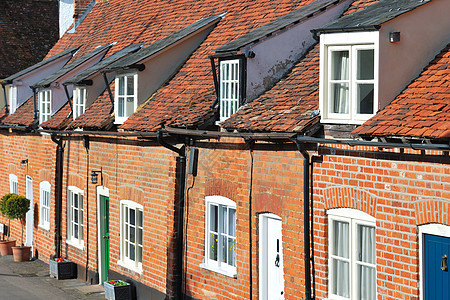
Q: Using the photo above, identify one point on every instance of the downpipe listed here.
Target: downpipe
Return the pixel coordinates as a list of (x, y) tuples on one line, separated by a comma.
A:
[(59, 168)]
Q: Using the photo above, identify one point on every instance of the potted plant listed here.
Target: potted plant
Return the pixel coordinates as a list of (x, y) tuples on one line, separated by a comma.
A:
[(61, 268), (117, 290), (6, 245), (16, 207)]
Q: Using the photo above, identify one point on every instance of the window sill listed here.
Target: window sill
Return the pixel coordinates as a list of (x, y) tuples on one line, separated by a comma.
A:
[(218, 270), (46, 228), (129, 267), (75, 244)]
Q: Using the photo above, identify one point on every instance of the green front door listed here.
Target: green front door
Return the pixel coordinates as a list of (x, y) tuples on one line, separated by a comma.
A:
[(104, 238)]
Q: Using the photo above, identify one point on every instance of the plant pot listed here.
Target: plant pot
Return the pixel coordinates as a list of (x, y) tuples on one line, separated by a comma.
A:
[(62, 270), (120, 292), (5, 247), (21, 253)]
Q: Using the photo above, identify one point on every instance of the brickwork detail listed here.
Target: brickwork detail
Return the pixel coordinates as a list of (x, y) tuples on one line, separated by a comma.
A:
[(432, 211), (350, 198)]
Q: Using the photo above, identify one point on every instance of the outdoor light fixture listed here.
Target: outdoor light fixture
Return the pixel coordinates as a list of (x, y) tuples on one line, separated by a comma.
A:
[(94, 176), (23, 162), (394, 36)]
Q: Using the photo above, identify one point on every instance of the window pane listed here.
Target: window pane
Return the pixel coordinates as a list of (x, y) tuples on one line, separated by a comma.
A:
[(132, 234), (366, 283), (339, 65), (365, 98), (213, 246), (232, 222), (341, 239), (232, 252), (223, 219), (224, 247), (132, 253), (80, 197), (140, 220), (130, 106), (121, 86), (120, 106), (339, 96), (139, 237), (213, 218), (130, 85), (126, 214), (366, 244), (365, 65), (132, 217), (75, 231), (139, 254), (340, 277), (75, 200)]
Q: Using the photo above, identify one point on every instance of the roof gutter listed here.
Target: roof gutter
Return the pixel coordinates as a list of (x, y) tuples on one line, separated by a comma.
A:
[(4, 97), (348, 29)]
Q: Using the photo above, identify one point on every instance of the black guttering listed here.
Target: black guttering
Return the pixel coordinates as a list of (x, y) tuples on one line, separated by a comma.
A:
[(181, 179), (59, 169), (292, 18)]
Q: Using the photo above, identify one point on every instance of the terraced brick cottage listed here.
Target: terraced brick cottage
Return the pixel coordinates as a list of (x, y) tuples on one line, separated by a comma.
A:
[(182, 145)]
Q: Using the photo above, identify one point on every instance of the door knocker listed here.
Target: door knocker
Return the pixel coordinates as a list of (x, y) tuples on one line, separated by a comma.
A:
[(444, 266)]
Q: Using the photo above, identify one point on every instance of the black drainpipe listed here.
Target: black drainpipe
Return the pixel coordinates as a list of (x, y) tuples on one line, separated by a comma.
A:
[(111, 97), (306, 214), (35, 104), (4, 97), (181, 160), (59, 168), (68, 98)]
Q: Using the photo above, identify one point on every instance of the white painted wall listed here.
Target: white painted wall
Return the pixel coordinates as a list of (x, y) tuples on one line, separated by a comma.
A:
[(66, 11), (424, 32)]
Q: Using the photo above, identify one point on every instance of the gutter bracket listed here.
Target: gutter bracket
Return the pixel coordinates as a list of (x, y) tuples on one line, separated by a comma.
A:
[(68, 99), (6, 101), (111, 97)]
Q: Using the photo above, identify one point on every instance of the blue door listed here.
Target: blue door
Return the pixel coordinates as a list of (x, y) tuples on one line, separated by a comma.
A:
[(436, 277)]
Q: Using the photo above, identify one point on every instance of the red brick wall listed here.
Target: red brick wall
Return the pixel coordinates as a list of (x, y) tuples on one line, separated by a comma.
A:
[(224, 169), (401, 189)]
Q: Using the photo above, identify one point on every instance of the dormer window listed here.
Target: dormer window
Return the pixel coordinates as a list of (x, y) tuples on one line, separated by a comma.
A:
[(230, 87), (79, 101), (125, 102), (45, 105), (12, 98), (348, 82)]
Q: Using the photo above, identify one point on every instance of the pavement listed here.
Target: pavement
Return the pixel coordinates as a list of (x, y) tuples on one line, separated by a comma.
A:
[(31, 280)]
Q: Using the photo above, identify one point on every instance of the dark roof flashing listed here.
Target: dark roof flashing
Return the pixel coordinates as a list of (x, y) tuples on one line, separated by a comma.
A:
[(372, 16), (282, 23), (133, 60)]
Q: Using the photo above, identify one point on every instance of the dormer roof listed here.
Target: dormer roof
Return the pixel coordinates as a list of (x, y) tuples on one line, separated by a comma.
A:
[(371, 17), (44, 83), (80, 78), (71, 52), (164, 43), (281, 23)]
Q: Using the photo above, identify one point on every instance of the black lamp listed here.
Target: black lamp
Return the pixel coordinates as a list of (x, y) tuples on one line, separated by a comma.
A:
[(94, 176)]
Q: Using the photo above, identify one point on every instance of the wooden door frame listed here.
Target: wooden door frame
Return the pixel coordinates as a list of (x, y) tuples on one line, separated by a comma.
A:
[(101, 192), (434, 229)]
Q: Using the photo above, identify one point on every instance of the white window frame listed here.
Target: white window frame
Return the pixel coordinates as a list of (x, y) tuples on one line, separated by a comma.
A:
[(118, 118), (79, 101), (124, 260), (45, 204), (13, 184), (353, 217), (72, 211), (229, 87), (351, 41), (45, 105), (209, 263), (12, 93)]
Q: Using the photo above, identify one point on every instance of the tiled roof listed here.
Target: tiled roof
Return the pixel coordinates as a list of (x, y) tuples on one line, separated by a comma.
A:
[(421, 110), (23, 116), (60, 119), (373, 15), (185, 101), (290, 106), (28, 29), (358, 5)]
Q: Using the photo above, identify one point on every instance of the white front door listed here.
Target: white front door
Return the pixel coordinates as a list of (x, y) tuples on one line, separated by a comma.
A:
[(271, 281), (29, 216)]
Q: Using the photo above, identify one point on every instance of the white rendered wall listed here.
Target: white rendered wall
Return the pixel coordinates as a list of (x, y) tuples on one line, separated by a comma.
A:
[(66, 11)]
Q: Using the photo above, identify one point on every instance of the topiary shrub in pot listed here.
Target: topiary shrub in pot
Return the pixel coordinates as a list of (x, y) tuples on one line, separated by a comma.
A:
[(16, 207), (6, 244)]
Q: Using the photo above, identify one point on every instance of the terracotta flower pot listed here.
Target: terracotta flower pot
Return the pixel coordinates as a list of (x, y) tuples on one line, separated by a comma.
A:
[(5, 247), (22, 253)]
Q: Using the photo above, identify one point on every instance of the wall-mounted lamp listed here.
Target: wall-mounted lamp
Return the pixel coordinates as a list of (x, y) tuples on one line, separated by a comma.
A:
[(94, 176), (23, 162), (394, 36)]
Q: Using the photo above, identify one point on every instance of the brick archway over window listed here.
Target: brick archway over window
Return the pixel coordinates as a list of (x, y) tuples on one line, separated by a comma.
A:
[(349, 197), (432, 211)]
